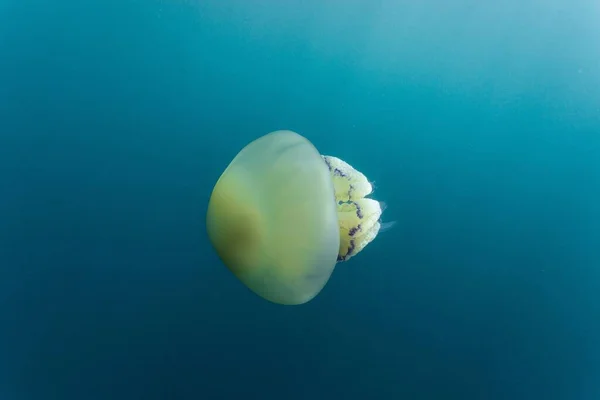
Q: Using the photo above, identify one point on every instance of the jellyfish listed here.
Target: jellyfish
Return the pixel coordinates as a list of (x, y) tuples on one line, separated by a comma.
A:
[(281, 216)]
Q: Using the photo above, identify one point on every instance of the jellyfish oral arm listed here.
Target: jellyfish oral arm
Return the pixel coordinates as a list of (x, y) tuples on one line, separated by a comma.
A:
[(358, 215)]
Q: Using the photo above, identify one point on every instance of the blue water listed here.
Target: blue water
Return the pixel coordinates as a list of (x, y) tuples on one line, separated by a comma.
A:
[(478, 121)]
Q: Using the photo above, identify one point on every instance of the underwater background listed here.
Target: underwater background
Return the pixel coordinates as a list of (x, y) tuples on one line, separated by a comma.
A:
[(478, 121)]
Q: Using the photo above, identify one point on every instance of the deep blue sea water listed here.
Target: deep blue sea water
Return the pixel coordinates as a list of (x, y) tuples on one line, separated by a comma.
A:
[(478, 121)]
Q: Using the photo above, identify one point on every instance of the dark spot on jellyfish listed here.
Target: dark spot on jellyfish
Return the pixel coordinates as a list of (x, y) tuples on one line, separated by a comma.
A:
[(327, 162), (354, 229), (349, 253), (359, 213), (339, 172), (350, 190), (351, 248)]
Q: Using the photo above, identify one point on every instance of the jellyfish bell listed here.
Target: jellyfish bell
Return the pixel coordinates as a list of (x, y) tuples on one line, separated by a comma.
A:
[(281, 216), (272, 218)]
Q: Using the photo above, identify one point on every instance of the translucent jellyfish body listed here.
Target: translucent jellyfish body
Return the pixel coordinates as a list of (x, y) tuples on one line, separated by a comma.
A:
[(281, 216)]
